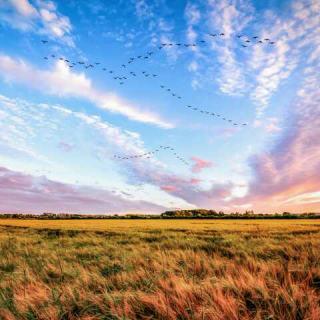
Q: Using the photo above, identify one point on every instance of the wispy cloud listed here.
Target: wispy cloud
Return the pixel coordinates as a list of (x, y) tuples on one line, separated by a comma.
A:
[(42, 17), (63, 82)]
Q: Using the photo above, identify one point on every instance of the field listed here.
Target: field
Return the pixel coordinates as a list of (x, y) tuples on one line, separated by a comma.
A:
[(168, 269)]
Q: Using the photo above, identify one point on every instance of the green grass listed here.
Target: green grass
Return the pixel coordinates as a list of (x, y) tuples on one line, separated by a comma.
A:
[(255, 273)]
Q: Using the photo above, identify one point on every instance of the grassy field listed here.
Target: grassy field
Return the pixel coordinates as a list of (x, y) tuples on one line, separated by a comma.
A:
[(171, 269)]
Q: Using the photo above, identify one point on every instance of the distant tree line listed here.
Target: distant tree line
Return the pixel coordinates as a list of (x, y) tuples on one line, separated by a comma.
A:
[(176, 214)]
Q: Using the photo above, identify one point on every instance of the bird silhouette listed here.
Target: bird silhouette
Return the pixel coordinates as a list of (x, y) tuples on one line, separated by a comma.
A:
[(45, 58), (255, 37), (267, 39), (272, 42), (44, 41), (239, 36), (244, 46), (123, 66), (202, 41), (212, 35), (247, 41), (222, 34)]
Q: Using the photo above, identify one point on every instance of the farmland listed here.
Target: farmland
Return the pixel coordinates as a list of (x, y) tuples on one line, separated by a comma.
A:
[(170, 269)]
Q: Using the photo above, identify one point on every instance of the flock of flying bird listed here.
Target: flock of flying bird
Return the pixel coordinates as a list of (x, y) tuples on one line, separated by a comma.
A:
[(148, 155), (146, 74)]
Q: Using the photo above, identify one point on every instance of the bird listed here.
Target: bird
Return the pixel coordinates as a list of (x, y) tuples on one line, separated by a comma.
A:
[(139, 57), (267, 39), (272, 42), (202, 41), (52, 55), (255, 37), (154, 75), (45, 58), (239, 36), (146, 57), (71, 66), (121, 82), (97, 63), (178, 44), (110, 71), (162, 87), (212, 35), (244, 46), (222, 34), (104, 69), (44, 41), (61, 59), (66, 60), (160, 47), (123, 66), (260, 41), (247, 41), (150, 53), (143, 72)]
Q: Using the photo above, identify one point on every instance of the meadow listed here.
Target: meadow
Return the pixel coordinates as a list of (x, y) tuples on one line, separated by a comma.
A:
[(171, 269)]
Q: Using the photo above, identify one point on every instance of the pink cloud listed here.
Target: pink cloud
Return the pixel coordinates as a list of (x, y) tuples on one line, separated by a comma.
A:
[(195, 181), (65, 146), (200, 164), (169, 188)]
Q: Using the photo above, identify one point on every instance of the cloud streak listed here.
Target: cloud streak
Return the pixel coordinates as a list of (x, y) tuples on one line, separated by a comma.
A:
[(61, 81)]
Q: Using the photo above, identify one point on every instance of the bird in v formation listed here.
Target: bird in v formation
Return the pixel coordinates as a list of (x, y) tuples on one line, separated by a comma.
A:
[(154, 75)]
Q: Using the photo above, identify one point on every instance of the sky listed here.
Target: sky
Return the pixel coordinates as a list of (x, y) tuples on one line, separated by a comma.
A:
[(221, 122)]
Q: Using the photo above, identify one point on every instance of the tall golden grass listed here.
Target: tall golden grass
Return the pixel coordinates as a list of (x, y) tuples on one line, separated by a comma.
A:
[(178, 270)]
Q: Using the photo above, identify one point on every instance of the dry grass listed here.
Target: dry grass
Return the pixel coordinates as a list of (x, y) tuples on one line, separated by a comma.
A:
[(160, 270)]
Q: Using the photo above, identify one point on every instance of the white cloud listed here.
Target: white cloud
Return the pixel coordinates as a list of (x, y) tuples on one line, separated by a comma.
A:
[(62, 81), (24, 8), (272, 127), (192, 14), (42, 18)]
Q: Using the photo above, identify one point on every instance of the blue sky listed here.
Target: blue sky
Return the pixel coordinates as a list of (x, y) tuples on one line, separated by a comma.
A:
[(61, 127)]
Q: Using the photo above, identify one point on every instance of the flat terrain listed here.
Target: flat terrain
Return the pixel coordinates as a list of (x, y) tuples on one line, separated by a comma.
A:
[(168, 269), (196, 225)]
